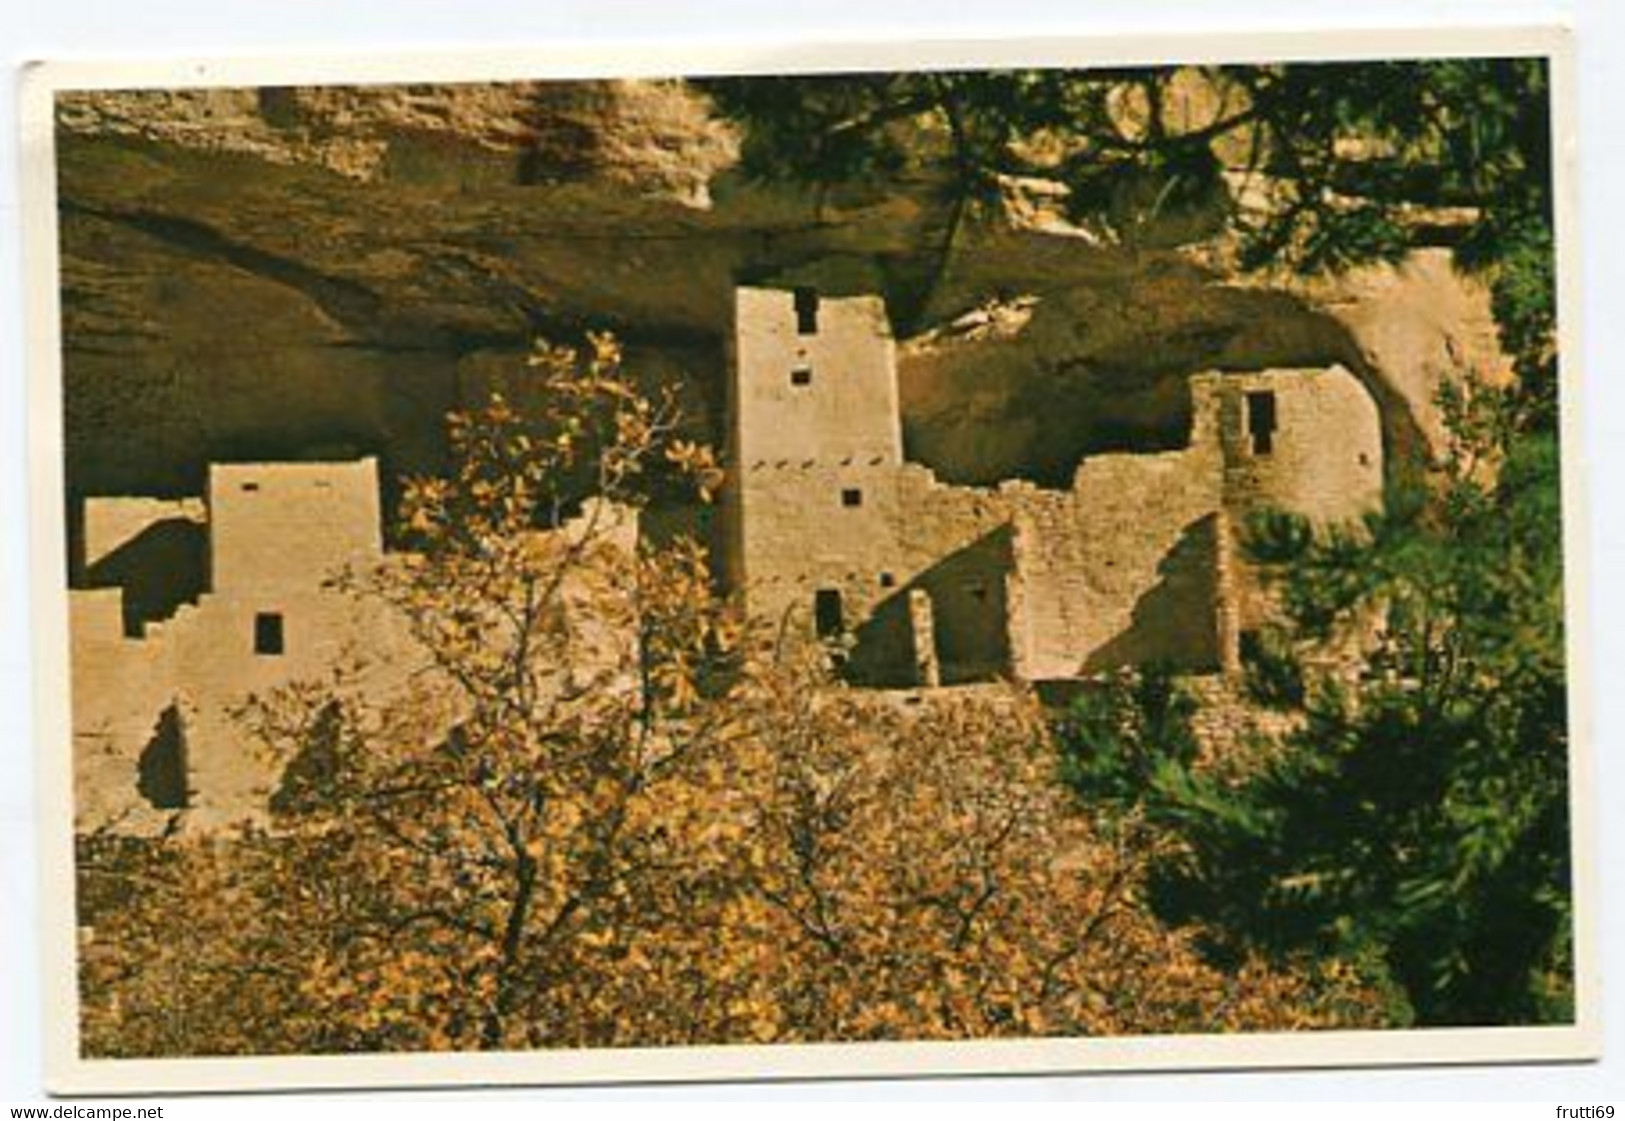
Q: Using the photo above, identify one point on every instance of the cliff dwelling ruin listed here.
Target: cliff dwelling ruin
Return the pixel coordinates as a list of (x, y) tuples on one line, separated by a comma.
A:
[(829, 527), (186, 608)]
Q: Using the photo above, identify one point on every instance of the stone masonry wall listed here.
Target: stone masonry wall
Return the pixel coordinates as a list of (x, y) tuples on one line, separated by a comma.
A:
[(1135, 562), (827, 396), (1121, 569), (158, 715), (278, 534), (871, 534), (1325, 455), (1117, 570), (1324, 459)]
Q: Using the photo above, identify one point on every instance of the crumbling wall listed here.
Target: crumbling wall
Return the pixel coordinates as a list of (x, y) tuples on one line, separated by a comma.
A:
[(869, 533), (278, 533), (204, 663), (830, 532), (1132, 564), (1121, 569), (821, 508), (159, 719), (1233, 728)]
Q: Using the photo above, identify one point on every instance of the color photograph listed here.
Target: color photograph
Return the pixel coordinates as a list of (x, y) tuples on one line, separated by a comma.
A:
[(877, 555)]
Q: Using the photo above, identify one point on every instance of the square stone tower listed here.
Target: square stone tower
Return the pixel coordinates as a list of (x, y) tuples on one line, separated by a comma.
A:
[(291, 526), (813, 379), (814, 418)]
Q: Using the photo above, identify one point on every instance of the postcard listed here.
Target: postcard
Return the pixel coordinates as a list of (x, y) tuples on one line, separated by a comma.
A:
[(838, 559)]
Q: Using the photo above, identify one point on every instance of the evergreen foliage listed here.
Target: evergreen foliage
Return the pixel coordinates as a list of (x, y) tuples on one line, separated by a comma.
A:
[(1421, 815)]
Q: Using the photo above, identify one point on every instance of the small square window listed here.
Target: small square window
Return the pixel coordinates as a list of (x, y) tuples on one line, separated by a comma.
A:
[(851, 496), (801, 376), (250, 487), (887, 580), (268, 638)]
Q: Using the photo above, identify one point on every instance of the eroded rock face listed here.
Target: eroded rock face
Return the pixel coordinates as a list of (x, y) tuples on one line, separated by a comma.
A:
[(1109, 358), (289, 273), (657, 136), (1419, 323)]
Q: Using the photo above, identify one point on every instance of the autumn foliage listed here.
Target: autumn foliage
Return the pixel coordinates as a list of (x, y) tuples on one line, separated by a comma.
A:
[(614, 814)]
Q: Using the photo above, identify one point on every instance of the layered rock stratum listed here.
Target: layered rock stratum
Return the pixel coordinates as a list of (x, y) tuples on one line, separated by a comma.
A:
[(303, 273)]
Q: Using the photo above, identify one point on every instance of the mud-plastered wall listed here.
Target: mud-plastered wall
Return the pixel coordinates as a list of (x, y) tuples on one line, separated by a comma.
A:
[(291, 525), (815, 380), (1305, 441)]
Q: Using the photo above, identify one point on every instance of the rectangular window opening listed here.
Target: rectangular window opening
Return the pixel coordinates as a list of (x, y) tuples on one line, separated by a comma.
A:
[(268, 638), (828, 616), (851, 496), (801, 376), (1261, 421), (250, 487), (806, 311)]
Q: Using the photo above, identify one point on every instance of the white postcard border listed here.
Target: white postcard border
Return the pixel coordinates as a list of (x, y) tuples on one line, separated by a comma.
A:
[(68, 1073)]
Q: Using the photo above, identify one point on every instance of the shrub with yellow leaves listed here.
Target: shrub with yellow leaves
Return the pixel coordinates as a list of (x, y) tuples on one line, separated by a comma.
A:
[(612, 813)]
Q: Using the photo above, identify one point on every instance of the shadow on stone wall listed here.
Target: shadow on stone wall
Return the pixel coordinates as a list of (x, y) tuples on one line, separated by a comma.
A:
[(162, 778), (1175, 622), (970, 611), (162, 567)]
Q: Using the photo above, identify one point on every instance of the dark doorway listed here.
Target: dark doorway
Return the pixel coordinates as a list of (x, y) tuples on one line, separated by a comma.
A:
[(268, 633), (1261, 421), (828, 616), (161, 771), (806, 311)]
